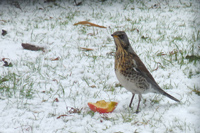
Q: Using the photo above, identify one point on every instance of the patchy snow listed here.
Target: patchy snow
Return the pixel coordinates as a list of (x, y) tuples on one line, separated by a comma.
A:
[(157, 30)]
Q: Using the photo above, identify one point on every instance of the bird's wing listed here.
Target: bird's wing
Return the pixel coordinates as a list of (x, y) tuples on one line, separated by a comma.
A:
[(145, 73)]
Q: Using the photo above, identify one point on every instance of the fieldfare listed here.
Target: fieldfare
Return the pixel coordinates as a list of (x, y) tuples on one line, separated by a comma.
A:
[(131, 72)]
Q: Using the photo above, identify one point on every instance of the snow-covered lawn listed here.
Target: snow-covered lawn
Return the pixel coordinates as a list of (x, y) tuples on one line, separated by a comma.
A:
[(40, 94)]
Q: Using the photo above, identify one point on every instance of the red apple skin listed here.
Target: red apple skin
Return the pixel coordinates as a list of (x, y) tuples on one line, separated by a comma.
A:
[(106, 107)]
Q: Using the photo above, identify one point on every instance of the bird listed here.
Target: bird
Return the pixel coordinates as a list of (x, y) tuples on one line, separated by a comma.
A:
[(131, 71)]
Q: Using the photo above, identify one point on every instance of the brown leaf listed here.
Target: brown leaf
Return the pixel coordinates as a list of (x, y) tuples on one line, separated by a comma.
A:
[(32, 47), (72, 110), (173, 52), (160, 54), (91, 34), (158, 65), (61, 116), (56, 100), (55, 80), (93, 86), (44, 100), (4, 59), (89, 24), (3, 21), (54, 59), (4, 32), (87, 49)]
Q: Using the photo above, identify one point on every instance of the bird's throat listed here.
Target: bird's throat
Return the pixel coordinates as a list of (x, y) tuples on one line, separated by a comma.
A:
[(122, 59)]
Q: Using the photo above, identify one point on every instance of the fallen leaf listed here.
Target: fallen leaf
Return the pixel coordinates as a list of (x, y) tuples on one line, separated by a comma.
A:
[(3, 21), (160, 54), (56, 100), (73, 110), (54, 59), (32, 47), (61, 116), (173, 52), (44, 100), (91, 34), (93, 86), (3, 59), (88, 24), (55, 80), (4, 32), (158, 65), (87, 49)]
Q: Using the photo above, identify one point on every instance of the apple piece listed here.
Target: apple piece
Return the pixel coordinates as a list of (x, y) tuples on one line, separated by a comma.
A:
[(103, 106)]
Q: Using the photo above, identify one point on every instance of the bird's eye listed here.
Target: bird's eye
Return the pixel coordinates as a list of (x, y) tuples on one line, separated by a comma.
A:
[(121, 36)]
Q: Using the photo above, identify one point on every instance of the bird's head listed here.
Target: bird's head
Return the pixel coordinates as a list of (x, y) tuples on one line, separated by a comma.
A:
[(121, 40)]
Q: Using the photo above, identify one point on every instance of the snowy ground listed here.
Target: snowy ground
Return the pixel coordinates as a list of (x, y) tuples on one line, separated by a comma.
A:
[(35, 91)]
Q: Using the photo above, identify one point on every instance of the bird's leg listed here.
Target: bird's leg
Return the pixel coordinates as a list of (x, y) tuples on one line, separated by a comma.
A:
[(139, 96), (131, 100), (77, 4), (75, 1)]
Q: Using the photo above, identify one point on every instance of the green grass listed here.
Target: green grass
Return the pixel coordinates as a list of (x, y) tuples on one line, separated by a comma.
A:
[(80, 76)]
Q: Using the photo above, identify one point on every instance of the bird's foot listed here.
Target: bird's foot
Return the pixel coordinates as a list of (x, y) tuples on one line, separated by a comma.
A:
[(77, 4), (137, 111)]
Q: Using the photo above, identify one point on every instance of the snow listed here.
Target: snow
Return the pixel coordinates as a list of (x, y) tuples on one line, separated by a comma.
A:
[(27, 98)]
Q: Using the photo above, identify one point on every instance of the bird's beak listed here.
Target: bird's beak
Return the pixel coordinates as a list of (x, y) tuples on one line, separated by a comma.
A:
[(115, 36)]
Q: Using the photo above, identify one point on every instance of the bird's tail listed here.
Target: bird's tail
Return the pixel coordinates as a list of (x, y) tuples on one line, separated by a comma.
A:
[(171, 97), (157, 89)]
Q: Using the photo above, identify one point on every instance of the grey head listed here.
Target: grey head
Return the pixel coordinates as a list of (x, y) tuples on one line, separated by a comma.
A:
[(122, 41)]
